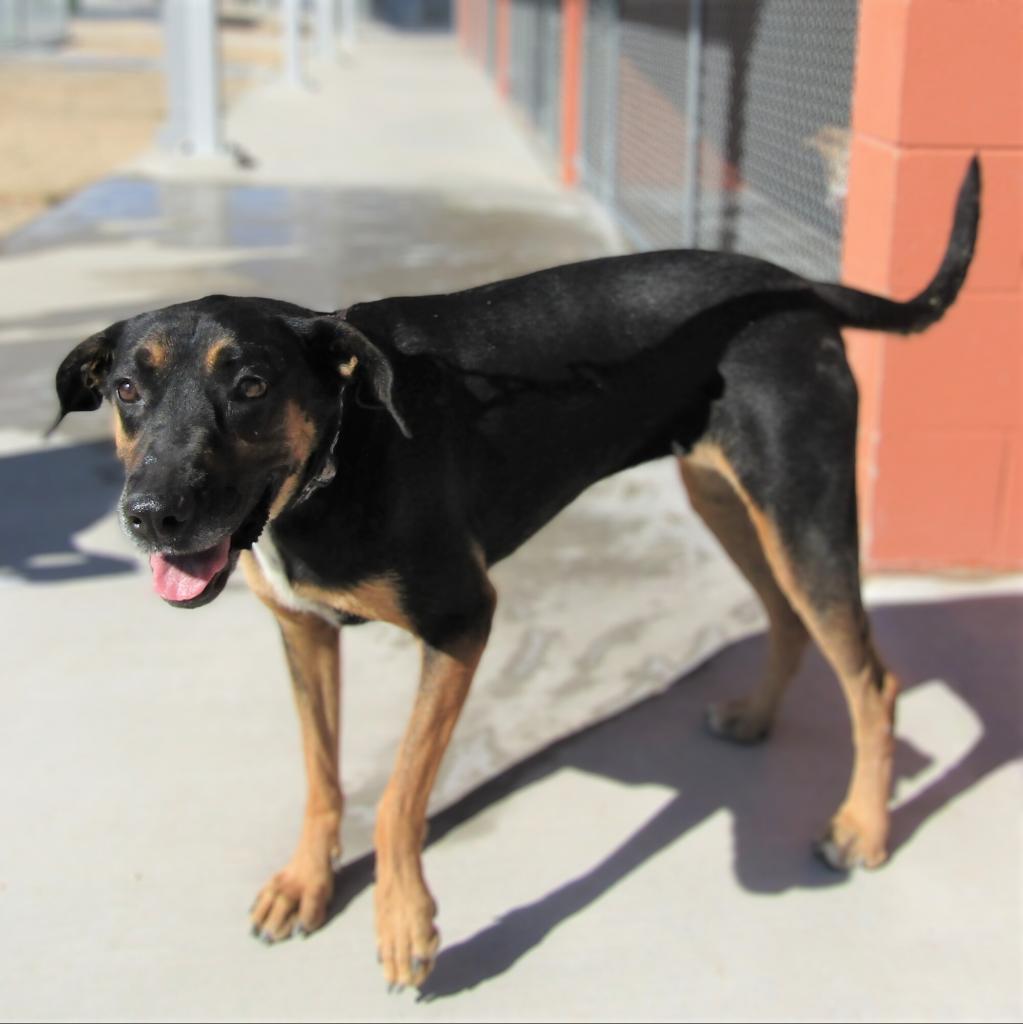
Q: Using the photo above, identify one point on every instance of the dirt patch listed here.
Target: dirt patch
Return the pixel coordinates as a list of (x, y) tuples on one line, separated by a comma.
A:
[(71, 116)]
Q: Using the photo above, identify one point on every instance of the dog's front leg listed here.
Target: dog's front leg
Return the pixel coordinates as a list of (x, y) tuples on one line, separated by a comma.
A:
[(295, 900), (407, 939)]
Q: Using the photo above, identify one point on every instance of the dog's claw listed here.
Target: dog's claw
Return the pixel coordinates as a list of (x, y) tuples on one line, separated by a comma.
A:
[(838, 858), (266, 938), (299, 930)]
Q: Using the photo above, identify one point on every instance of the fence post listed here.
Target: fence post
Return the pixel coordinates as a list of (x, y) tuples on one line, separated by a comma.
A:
[(692, 169), (291, 19), (326, 29), (610, 154), (573, 13), (503, 45), (349, 24)]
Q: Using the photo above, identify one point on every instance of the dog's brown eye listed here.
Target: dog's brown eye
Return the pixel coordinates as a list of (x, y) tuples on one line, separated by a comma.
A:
[(127, 392), (251, 387)]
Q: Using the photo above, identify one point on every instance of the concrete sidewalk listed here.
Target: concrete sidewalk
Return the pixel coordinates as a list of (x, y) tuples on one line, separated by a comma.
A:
[(636, 870)]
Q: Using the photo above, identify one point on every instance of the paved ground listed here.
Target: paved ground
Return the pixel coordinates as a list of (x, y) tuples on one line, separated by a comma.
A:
[(636, 870)]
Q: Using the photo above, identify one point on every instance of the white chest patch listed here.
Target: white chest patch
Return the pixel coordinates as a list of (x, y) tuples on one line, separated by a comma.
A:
[(272, 566)]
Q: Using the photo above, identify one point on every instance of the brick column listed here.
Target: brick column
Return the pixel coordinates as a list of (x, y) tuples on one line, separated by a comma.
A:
[(573, 17), (941, 437), (503, 47)]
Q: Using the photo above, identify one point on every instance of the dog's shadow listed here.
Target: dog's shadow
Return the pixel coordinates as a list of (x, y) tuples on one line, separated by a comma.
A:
[(51, 494), (780, 793)]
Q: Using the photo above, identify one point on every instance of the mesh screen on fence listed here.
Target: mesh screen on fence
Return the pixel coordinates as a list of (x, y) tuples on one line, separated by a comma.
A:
[(775, 88), (717, 123), (599, 99), (535, 64), (767, 112), (652, 122)]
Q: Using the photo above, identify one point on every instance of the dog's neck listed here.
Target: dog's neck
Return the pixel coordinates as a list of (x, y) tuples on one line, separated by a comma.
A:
[(322, 465)]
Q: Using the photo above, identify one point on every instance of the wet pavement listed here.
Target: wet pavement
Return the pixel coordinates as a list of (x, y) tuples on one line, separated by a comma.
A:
[(157, 242), (636, 870)]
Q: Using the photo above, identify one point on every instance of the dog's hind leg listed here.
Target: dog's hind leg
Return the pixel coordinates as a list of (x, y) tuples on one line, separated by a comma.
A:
[(814, 559), (295, 900), (747, 719)]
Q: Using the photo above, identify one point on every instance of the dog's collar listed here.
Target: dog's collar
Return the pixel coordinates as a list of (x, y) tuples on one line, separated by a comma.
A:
[(325, 464)]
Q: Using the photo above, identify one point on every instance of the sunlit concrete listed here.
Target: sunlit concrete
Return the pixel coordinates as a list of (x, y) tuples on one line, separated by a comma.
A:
[(638, 869)]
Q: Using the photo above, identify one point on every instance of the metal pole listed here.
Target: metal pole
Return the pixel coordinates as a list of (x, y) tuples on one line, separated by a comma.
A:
[(326, 43), (610, 147), (291, 24), (349, 24), (692, 170), (193, 78)]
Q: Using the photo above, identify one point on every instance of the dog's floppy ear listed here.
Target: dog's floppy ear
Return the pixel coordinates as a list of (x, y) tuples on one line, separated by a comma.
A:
[(352, 354), (80, 377)]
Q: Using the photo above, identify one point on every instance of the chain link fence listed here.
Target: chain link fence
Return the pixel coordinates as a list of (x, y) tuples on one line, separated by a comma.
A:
[(535, 64), (716, 123)]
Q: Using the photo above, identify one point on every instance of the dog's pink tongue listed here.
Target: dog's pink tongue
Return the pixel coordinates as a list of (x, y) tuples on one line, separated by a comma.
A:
[(182, 577)]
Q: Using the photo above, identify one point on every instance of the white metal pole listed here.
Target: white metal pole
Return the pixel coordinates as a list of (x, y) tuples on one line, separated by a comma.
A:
[(193, 77), (291, 23), (326, 29), (349, 24)]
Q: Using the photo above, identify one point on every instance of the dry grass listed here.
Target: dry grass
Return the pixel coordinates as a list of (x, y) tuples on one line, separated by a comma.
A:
[(66, 123)]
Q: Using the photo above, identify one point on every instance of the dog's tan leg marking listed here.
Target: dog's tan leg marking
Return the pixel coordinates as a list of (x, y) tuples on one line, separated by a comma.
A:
[(407, 939), (296, 898), (858, 834), (153, 354), (748, 718)]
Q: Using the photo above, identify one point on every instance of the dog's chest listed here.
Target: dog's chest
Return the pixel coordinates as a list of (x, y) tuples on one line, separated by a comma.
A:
[(376, 598), (275, 572)]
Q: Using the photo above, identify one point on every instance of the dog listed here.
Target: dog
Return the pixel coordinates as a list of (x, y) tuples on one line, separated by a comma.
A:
[(372, 463)]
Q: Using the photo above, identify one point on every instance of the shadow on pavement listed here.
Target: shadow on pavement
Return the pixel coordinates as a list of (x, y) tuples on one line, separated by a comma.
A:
[(779, 794), (50, 495)]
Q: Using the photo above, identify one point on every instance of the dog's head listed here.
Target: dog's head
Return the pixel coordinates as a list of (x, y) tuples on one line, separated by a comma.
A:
[(223, 409)]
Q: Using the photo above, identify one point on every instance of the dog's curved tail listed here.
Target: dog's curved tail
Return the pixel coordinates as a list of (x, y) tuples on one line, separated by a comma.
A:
[(861, 309)]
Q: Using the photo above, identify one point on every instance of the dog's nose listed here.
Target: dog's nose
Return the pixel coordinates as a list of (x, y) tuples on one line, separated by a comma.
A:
[(159, 519)]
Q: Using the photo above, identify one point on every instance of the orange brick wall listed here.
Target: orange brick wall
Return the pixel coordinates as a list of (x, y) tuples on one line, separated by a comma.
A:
[(941, 441)]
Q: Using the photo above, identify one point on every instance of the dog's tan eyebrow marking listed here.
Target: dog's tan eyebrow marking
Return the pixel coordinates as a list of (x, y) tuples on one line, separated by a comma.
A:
[(221, 351), (153, 354)]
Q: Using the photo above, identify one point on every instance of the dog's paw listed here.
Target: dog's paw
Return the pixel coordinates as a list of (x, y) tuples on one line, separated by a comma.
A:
[(739, 721), (407, 938), (293, 902), (850, 844)]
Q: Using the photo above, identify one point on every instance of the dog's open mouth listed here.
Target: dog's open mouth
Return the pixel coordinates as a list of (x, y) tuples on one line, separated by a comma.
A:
[(188, 581), (181, 578)]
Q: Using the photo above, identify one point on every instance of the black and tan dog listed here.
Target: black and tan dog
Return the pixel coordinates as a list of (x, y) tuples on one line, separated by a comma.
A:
[(372, 463)]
